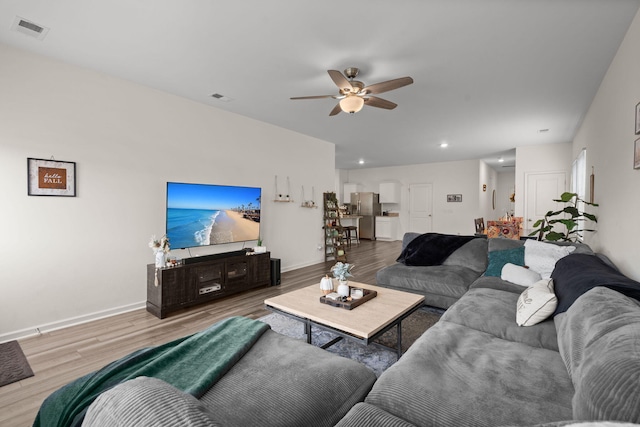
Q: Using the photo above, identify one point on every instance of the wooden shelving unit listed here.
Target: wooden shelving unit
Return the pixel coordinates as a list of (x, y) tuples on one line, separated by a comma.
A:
[(334, 245)]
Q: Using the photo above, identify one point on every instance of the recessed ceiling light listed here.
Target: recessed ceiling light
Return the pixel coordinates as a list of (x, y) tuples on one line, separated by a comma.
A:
[(361, 162), (500, 160), (444, 145)]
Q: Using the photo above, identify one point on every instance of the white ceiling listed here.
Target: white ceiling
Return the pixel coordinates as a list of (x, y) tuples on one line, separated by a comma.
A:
[(489, 74)]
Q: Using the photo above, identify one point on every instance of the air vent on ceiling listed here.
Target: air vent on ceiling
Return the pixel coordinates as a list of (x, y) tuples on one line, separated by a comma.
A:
[(29, 28), (221, 97)]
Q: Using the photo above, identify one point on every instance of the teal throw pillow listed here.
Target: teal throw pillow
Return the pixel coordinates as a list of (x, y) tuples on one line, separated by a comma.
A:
[(497, 260)]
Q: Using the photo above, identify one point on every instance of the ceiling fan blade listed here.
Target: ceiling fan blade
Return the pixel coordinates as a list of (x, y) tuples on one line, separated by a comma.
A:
[(388, 85), (314, 97), (340, 80), (373, 101), (336, 110)]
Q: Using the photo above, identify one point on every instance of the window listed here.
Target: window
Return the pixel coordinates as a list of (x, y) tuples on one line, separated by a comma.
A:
[(579, 174), (578, 182)]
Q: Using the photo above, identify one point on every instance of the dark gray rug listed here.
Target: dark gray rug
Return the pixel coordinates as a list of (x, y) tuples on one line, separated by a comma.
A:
[(13, 364), (376, 357)]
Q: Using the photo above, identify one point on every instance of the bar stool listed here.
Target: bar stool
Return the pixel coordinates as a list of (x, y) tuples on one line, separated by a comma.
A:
[(352, 234)]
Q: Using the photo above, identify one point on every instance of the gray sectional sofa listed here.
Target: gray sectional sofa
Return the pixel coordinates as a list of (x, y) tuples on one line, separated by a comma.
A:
[(475, 367), (279, 381), (443, 284)]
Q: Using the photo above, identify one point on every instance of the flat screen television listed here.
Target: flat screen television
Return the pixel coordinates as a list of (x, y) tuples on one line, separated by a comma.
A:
[(205, 214)]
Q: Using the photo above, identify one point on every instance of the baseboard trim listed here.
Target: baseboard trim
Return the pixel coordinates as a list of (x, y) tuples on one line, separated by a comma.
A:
[(297, 266), (65, 323), (72, 321)]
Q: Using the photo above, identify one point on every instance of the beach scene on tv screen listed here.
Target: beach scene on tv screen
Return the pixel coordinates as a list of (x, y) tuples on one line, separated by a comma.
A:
[(201, 214)]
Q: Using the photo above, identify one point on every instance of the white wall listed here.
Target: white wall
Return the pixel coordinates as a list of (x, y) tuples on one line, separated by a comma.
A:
[(540, 158), (71, 259), (506, 187), (608, 134), (489, 177), (447, 178)]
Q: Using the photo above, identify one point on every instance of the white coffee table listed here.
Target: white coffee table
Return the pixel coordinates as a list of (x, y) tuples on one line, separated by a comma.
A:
[(362, 324)]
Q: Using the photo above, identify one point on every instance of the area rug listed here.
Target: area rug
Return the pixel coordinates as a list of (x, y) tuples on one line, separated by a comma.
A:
[(375, 357), (13, 364)]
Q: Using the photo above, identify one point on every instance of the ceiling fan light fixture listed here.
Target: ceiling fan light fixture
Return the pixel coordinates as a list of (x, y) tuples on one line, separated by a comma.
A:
[(351, 104)]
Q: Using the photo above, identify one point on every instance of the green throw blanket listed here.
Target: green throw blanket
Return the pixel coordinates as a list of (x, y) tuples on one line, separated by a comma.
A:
[(191, 364)]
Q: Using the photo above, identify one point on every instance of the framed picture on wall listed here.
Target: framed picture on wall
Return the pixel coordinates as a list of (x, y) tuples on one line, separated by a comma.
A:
[(51, 178), (638, 118), (636, 154)]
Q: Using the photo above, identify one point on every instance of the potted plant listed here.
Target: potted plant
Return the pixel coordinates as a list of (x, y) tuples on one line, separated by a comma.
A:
[(341, 271), (259, 249), (570, 217)]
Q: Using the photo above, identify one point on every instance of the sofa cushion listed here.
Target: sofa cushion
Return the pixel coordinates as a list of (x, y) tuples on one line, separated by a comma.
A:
[(542, 257), (471, 255), (576, 274), (283, 381), (519, 275), (503, 244), (472, 311), (536, 303), (457, 376), (599, 338), (147, 402), (431, 249), (497, 283), (366, 415), (498, 259), (449, 282)]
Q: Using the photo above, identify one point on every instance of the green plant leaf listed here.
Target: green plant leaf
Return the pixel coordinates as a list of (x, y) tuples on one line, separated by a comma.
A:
[(554, 236), (566, 197), (590, 216), (573, 211), (569, 223)]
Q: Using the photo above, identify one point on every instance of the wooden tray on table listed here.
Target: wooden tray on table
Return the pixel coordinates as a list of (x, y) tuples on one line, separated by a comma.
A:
[(350, 305)]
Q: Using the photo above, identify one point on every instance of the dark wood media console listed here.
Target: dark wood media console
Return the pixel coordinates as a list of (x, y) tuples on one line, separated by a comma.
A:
[(204, 279)]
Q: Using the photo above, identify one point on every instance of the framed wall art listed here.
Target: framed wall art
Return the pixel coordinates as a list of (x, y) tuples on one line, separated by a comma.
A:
[(636, 154), (51, 178), (638, 118)]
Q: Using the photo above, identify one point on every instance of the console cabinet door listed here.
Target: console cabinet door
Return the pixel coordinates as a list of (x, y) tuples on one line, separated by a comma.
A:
[(237, 274), (206, 280)]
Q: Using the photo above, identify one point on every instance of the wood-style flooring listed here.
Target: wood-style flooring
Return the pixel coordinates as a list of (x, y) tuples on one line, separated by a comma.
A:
[(60, 356)]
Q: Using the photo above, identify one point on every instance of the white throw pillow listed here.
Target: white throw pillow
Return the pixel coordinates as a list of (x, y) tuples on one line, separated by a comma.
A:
[(519, 275), (542, 257), (536, 303)]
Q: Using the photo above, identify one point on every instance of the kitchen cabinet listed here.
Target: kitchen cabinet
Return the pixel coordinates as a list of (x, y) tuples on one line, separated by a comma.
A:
[(389, 192), (387, 228)]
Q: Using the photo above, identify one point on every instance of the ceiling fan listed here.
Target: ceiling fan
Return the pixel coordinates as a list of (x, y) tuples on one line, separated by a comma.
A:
[(354, 94)]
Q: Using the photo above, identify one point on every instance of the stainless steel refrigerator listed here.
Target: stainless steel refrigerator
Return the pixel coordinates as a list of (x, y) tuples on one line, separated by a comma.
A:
[(366, 205)]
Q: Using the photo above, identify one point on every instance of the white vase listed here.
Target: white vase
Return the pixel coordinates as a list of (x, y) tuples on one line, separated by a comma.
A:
[(160, 259), (343, 288)]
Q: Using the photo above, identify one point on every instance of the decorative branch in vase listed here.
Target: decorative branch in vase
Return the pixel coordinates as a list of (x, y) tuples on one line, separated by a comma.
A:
[(160, 248)]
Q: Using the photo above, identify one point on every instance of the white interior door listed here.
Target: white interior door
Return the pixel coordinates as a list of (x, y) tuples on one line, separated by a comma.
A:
[(541, 189), (420, 207)]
